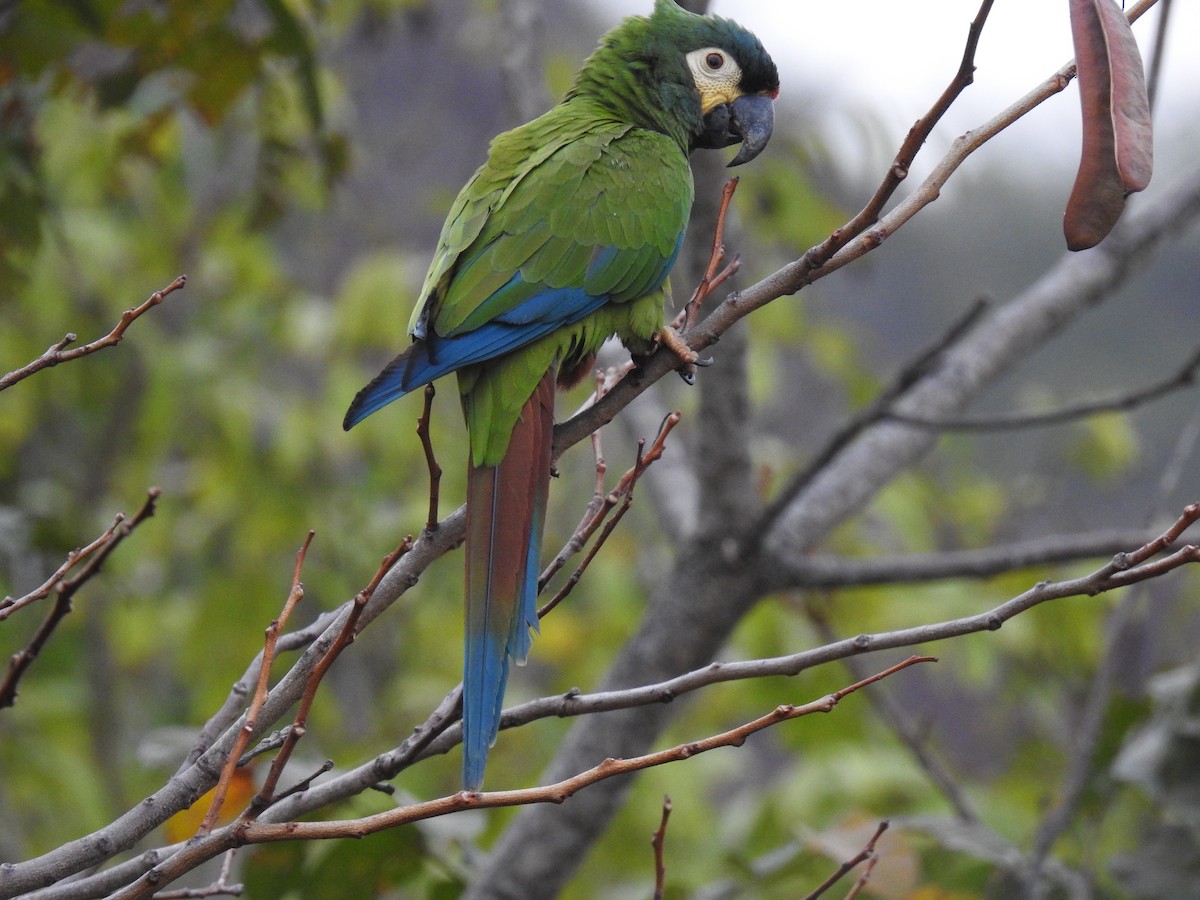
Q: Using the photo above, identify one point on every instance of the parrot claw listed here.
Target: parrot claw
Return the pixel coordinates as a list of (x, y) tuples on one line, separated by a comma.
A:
[(689, 359), (671, 339)]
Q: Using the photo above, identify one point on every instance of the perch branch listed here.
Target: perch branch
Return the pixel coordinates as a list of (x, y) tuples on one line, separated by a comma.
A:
[(846, 244)]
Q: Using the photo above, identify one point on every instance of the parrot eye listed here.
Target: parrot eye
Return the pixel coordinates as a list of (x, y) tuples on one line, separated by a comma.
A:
[(715, 73)]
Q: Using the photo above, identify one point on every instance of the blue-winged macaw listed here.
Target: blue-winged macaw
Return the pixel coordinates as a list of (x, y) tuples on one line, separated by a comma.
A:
[(563, 237)]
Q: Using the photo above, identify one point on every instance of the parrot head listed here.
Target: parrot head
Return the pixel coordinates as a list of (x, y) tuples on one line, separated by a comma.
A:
[(705, 81)]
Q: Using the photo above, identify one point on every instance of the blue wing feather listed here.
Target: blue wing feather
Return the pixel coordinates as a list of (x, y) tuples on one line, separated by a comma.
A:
[(429, 359)]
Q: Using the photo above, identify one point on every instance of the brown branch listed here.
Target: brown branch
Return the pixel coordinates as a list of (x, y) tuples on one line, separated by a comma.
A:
[(867, 852), (57, 353), (295, 595), (435, 470), (8, 605), (656, 841), (864, 878), (91, 558), (818, 256), (1185, 377), (247, 831), (714, 276)]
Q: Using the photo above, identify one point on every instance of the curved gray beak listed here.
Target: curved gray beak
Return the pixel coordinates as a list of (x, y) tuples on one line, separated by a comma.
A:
[(749, 119), (752, 118)]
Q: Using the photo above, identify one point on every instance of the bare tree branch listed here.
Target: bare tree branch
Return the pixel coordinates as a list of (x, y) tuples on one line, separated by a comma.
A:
[(867, 852), (1185, 377), (820, 570), (91, 558), (249, 831), (657, 841), (57, 353)]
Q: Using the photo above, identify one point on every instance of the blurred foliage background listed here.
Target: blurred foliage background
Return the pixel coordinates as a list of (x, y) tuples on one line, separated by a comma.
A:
[(295, 159)]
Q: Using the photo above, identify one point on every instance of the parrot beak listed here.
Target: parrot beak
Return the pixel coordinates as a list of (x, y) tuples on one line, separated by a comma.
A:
[(752, 119), (749, 119)]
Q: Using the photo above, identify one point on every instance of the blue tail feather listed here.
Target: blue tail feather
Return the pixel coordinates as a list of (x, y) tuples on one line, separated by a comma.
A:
[(506, 506)]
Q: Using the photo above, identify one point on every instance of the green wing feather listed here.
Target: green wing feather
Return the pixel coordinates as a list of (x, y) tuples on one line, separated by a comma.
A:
[(571, 200)]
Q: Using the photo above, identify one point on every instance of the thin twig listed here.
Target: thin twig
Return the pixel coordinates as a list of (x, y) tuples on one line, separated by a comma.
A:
[(435, 470), (656, 841), (864, 878), (1154, 76), (91, 558), (620, 499), (266, 795), (75, 557), (219, 888), (595, 505), (1185, 377), (57, 353), (295, 595), (713, 275), (866, 853)]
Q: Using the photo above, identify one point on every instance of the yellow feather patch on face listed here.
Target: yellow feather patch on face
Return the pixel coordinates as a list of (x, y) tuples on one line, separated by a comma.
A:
[(717, 77)]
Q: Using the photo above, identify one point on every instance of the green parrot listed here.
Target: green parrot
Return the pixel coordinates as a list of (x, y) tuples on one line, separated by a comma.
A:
[(562, 238)]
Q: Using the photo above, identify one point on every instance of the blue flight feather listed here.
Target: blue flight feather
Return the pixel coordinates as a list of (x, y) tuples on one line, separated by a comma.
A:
[(437, 355)]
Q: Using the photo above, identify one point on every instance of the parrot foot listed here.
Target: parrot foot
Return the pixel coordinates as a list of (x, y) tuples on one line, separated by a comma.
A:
[(689, 359), (673, 341)]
